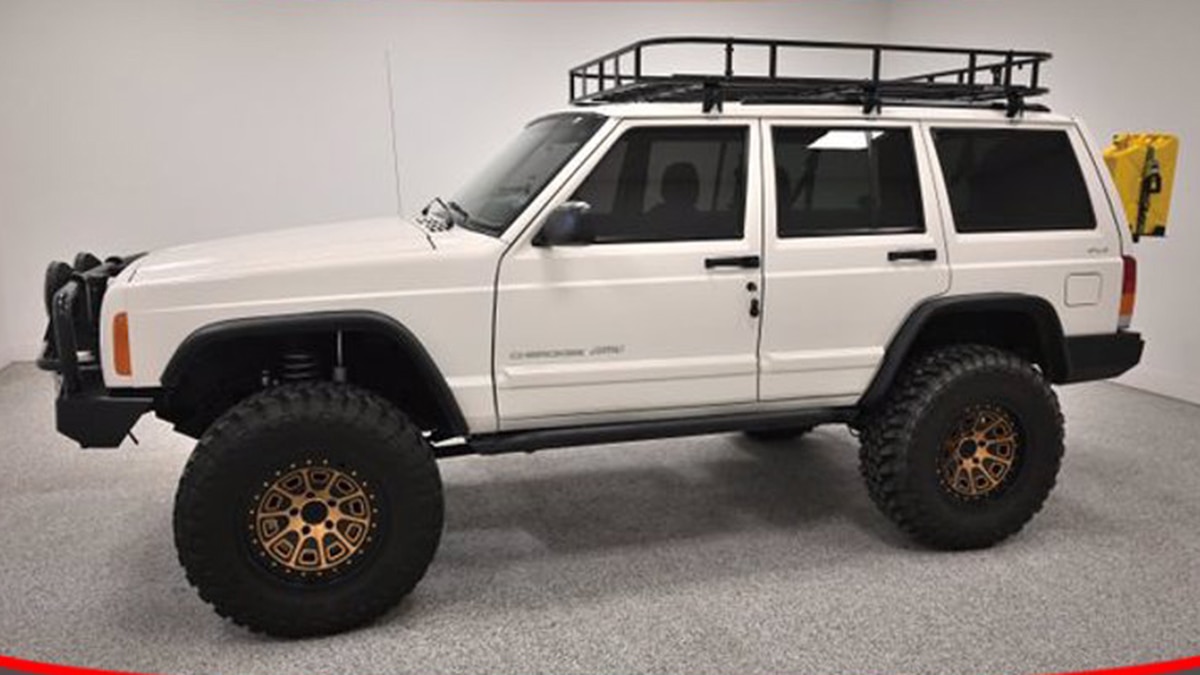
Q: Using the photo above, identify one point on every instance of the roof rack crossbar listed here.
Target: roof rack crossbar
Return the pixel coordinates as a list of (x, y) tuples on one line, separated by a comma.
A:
[(990, 77)]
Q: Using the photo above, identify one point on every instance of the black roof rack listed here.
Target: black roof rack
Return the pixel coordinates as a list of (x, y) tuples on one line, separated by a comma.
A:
[(989, 77)]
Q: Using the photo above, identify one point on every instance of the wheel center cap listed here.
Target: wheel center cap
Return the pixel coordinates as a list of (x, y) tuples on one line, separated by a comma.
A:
[(314, 512), (966, 449)]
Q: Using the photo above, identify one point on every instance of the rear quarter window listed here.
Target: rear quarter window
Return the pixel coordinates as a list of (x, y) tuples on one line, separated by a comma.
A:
[(1006, 180)]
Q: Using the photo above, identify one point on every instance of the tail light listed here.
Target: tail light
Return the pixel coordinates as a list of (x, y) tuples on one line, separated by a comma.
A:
[(1128, 291), (122, 362)]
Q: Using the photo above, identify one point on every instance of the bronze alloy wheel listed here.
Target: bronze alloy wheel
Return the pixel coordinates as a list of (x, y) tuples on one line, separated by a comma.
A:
[(980, 453), (312, 521)]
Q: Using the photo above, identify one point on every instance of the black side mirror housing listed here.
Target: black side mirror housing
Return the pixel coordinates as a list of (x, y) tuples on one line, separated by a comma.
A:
[(566, 225)]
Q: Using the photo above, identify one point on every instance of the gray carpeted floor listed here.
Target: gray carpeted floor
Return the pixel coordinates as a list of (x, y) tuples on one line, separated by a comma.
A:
[(704, 555)]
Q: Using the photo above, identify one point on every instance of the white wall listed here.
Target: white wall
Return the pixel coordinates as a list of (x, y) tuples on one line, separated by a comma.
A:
[(7, 353), (1121, 66), (133, 124)]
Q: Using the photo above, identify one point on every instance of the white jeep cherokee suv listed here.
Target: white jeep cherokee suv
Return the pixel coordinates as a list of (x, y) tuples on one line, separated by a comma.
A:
[(919, 257)]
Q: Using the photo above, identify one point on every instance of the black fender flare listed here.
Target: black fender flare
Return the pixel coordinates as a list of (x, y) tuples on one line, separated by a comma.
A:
[(322, 322), (1050, 339)]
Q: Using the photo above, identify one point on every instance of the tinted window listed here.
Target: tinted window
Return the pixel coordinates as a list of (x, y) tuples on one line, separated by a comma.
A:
[(669, 184), (1006, 179), (499, 193), (845, 181)]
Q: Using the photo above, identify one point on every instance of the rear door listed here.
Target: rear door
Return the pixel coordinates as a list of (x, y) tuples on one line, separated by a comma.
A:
[(853, 244)]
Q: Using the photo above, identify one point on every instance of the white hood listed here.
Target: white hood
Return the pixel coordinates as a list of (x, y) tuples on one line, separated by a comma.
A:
[(348, 243)]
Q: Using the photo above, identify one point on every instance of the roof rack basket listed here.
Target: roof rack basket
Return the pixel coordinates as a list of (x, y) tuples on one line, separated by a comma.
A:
[(989, 77)]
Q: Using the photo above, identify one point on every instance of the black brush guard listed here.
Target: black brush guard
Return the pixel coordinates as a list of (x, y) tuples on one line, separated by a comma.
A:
[(86, 411)]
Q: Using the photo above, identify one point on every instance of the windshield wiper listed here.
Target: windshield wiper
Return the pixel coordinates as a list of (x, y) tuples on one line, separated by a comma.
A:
[(454, 214), (459, 211), (435, 200), (447, 212), (473, 224)]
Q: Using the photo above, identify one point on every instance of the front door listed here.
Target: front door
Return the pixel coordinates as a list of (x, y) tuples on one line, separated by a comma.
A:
[(659, 315)]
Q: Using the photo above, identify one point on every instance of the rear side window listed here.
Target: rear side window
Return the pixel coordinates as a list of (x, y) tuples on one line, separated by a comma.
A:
[(1004, 180), (839, 181), (669, 184)]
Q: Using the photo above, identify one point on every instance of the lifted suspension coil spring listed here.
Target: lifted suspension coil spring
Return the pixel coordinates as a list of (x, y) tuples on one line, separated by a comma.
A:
[(299, 367)]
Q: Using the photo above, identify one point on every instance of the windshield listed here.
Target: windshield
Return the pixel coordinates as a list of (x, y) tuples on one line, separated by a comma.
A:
[(498, 194)]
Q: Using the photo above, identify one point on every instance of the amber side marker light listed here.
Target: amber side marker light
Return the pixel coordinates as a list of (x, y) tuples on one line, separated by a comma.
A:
[(121, 359), (1128, 291)]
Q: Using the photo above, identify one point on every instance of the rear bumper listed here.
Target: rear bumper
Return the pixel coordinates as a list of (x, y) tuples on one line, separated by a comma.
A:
[(1099, 357)]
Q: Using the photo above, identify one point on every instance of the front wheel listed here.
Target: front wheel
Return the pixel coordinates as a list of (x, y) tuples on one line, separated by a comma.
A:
[(308, 509), (966, 448)]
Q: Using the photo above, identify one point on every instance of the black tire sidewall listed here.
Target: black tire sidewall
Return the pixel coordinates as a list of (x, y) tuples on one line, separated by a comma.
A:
[(1036, 469), (213, 519)]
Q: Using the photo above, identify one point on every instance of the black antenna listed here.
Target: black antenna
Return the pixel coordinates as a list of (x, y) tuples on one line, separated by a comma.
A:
[(387, 63)]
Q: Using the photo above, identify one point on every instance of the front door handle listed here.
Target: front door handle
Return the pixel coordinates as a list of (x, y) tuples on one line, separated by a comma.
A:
[(926, 254), (752, 262)]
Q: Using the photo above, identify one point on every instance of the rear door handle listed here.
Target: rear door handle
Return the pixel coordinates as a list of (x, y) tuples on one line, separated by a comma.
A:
[(752, 262), (926, 254)]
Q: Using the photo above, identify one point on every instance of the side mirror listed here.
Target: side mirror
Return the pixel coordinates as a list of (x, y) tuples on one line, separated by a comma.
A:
[(566, 226)]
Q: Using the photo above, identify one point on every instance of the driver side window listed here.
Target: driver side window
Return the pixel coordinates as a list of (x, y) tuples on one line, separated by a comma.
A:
[(669, 184)]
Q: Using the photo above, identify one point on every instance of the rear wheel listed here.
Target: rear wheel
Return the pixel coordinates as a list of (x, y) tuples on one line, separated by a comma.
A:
[(308, 509), (966, 448)]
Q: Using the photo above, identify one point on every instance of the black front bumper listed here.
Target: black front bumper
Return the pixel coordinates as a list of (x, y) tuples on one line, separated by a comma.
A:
[(1099, 357), (86, 411), (97, 419)]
